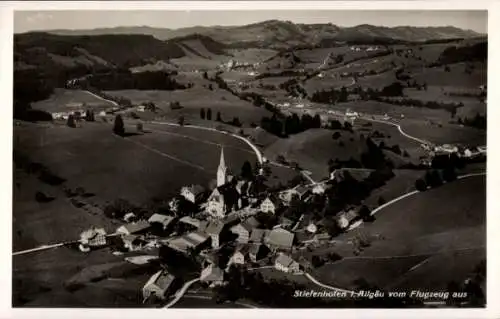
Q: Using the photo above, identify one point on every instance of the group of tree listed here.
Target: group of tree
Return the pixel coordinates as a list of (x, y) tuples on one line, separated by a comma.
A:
[(89, 116), (30, 86), (121, 79), (206, 114), (450, 107), (291, 124), (435, 178), (478, 121), (331, 96)]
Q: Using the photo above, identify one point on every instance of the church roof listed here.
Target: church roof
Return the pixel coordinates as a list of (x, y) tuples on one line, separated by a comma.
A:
[(222, 163)]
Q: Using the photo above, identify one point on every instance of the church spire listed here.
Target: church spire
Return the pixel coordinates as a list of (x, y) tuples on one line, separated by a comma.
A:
[(221, 171), (222, 163)]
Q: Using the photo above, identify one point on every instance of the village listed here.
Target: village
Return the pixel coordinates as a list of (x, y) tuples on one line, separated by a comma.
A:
[(236, 214)]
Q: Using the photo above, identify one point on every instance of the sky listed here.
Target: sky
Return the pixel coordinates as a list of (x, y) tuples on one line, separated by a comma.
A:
[(78, 19)]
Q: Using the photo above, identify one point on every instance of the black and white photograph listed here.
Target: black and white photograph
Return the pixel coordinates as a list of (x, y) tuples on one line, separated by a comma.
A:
[(249, 158)]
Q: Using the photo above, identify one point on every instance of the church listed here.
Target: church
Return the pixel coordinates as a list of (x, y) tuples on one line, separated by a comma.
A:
[(224, 197)]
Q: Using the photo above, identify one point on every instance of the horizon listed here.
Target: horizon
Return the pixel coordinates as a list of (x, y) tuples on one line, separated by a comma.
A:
[(81, 20)]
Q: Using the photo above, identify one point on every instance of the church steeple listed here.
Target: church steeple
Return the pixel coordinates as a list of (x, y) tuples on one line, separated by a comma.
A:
[(221, 171)]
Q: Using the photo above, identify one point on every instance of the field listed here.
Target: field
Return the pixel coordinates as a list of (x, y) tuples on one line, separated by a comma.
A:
[(196, 98), (68, 100), (138, 167), (428, 236), (446, 133), (313, 148)]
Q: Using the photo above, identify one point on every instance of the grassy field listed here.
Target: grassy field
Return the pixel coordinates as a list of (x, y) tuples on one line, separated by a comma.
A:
[(456, 77), (192, 100), (68, 100), (138, 167), (447, 133), (449, 238), (313, 148)]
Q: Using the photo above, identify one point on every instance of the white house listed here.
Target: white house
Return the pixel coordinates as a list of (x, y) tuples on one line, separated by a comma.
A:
[(216, 206), (158, 285), (286, 264), (213, 275), (269, 205), (192, 193), (318, 189)]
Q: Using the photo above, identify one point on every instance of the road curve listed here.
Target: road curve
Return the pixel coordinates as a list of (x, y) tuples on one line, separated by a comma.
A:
[(252, 146), (181, 292), (399, 129), (314, 280)]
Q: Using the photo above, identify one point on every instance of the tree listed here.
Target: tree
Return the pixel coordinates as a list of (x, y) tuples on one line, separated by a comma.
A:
[(71, 121), (420, 185), (365, 213), (89, 116), (209, 114), (181, 120), (219, 118), (202, 113), (119, 127), (336, 135), (246, 171), (139, 128), (449, 174), (347, 126), (381, 201)]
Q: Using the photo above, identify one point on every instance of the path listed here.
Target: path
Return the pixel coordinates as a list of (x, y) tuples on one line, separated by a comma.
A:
[(181, 292), (40, 248), (314, 280), (399, 129)]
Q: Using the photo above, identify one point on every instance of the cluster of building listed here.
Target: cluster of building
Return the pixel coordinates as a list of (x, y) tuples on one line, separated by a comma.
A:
[(227, 216)]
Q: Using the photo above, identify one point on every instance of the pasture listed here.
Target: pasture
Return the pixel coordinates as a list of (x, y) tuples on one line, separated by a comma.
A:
[(63, 100), (138, 168), (196, 98), (418, 237)]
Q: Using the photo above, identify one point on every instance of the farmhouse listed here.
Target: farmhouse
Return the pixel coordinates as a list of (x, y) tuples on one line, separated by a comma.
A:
[(279, 239), (258, 235), (190, 221), (158, 285), (269, 205), (193, 193), (212, 275), (287, 196), (257, 252), (244, 229), (214, 229), (164, 220), (346, 218), (238, 257), (93, 237), (134, 228), (286, 264), (132, 242)]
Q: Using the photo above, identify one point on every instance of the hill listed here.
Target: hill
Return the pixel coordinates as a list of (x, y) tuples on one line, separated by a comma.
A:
[(276, 33)]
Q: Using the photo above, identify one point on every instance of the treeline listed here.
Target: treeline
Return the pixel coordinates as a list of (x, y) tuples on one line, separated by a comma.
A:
[(479, 121), (292, 124), (126, 80), (293, 88), (453, 54), (30, 86)]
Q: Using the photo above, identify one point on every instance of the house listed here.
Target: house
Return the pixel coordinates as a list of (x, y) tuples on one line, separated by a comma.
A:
[(304, 237), (134, 228), (311, 228), (129, 217), (214, 229), (239, 255), (216, 206), (93, 237), (193, 193), (190, 221), (285, 222), (287, 196), (244, 229), (258, 235), (141, 260), (212, 275), (193, 240), (279, 238), (257, 251), (141, 108), (318, 189), (345, 219), (269, 205), (158, 285), (132, 242), (286, 264), (164, 220)]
